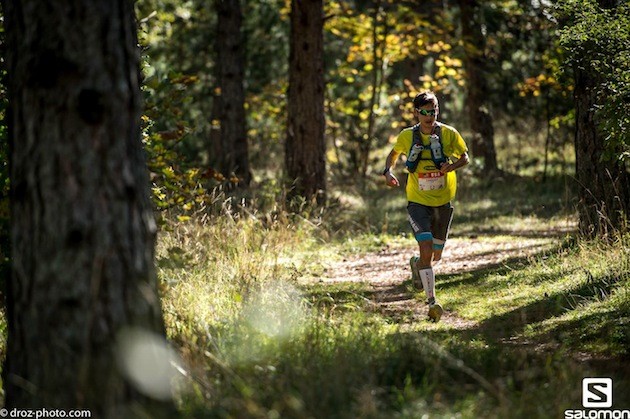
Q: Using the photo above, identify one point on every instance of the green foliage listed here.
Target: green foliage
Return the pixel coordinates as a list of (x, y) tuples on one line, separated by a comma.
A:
[(378, 55), (597, 40), (177, 69), (174, 187), (531, 102), (367, 48), (180, 85)]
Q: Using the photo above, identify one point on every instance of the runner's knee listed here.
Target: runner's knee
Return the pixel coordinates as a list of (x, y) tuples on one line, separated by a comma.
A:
[(426, 253)]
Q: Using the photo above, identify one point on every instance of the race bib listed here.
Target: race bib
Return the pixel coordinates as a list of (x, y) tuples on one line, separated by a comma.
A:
[(431, 181)]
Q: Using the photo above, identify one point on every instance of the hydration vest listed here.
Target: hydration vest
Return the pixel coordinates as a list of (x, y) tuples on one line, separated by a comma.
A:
[(435, 147)]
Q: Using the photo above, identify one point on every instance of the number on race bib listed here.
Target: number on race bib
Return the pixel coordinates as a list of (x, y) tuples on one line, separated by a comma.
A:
[(431, 181)]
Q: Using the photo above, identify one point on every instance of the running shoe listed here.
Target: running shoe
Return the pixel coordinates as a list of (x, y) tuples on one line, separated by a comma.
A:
[(435, 312)]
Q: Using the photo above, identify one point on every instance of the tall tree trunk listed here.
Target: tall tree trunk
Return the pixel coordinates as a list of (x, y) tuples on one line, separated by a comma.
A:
[(82, 228), (481, 122), (230, 75), (604, 198), (305, 148)]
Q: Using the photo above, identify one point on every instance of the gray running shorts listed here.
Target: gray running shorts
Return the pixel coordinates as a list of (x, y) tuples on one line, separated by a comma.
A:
[(430, 223)]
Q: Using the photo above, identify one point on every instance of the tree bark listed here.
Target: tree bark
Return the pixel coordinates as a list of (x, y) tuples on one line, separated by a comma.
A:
[(82, 228), (305, 148), (604, 198), (230, 75), (481, 123)]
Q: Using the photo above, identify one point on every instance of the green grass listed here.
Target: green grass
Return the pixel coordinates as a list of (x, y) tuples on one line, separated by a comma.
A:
[(260, 343)]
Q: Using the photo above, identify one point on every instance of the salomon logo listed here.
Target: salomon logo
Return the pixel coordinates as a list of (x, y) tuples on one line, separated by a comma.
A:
[(597, 399), (597, 392)]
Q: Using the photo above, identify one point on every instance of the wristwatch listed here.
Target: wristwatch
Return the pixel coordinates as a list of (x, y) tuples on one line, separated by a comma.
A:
[(387, 169)]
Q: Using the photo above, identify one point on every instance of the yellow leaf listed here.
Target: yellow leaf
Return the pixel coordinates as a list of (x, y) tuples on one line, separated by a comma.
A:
[(331, 156)]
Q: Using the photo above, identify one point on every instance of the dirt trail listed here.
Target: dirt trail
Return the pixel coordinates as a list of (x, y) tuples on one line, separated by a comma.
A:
[(387, 272)]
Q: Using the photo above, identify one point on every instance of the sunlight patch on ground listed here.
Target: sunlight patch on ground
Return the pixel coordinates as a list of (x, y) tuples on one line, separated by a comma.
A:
[(465, 255)]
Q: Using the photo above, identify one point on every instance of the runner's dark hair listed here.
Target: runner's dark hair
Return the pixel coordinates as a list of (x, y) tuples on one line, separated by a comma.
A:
[(425, 97)]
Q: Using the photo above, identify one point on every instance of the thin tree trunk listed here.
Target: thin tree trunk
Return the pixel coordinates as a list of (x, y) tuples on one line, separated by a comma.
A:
[(305, 148), (548, 136), (82, 228), (377, 73), (481, 122)]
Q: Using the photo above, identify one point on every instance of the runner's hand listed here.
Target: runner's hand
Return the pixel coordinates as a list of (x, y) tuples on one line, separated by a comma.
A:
[(446, 167), (391, 180)]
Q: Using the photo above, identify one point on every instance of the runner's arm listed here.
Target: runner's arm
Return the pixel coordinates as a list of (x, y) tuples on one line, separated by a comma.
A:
[(390, 163), (392, 158), (461, 162)]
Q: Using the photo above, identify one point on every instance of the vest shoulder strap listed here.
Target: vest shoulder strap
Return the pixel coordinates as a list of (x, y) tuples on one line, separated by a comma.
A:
[(437, 130), (416, 133), (437, 156)]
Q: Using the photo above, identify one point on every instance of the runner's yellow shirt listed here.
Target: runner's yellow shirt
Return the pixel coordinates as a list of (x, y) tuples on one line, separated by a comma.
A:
[(427, 186)]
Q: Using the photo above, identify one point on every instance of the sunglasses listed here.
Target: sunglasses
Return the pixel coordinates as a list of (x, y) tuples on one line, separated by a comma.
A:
[(427, 112)]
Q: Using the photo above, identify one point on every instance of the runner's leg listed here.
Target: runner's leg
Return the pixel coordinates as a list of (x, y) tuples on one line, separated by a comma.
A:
[(420, 221), (441, 223)]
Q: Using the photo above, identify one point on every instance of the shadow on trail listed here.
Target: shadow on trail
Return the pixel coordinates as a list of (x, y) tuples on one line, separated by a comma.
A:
[(505, 326), (476, 271), (559, 233)]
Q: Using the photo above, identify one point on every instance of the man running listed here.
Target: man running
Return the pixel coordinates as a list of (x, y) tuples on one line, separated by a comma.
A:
[(434, 151)]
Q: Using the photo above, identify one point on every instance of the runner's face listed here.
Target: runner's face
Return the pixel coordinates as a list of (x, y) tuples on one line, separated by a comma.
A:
[(424, 114)]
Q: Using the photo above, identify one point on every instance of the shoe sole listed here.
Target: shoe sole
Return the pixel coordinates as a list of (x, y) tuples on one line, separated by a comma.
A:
[(435, 312)]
